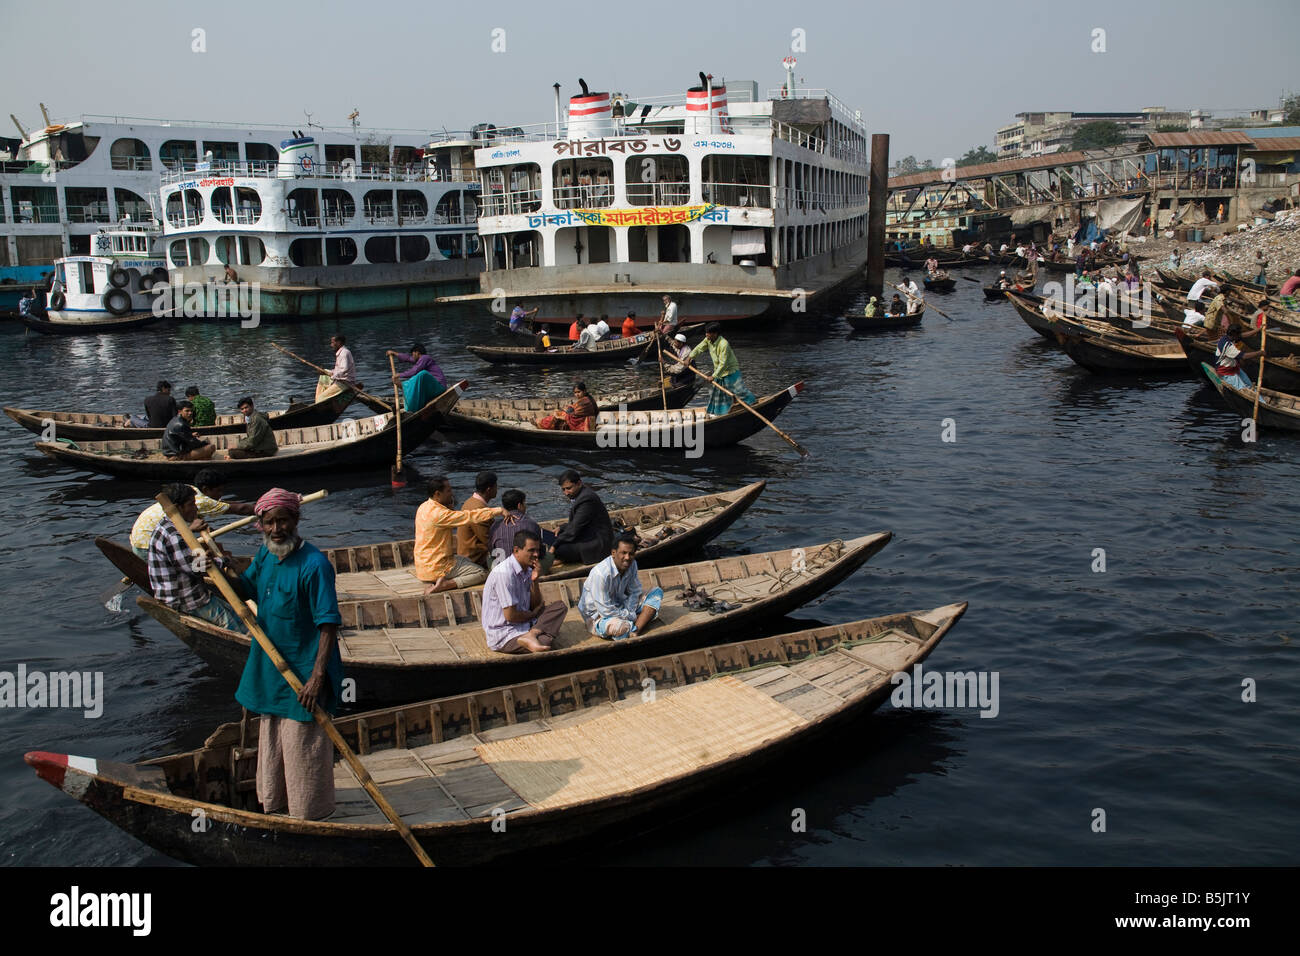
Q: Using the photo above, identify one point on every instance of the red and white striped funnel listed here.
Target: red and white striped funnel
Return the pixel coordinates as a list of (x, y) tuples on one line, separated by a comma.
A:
[(707, 113), (590, 116)]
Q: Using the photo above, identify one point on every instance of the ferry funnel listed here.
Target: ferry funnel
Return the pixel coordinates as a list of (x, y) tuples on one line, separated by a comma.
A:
[(590, 116), (298, 157)]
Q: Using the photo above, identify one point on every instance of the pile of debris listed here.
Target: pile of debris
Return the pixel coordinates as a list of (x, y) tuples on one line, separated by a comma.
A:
[(1234, 251)]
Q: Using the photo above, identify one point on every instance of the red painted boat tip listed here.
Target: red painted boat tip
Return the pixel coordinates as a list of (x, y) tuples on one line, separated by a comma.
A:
[(49, 767)]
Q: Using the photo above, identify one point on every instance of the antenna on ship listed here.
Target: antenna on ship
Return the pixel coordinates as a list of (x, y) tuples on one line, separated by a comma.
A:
[(355, 119), (21, 131), (46, 114)]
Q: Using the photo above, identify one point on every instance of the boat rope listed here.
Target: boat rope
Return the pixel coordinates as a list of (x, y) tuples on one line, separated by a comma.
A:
[(824, 556)]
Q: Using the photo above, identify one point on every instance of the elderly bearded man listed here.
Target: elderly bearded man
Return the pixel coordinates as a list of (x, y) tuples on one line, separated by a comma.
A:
[(297, 608)]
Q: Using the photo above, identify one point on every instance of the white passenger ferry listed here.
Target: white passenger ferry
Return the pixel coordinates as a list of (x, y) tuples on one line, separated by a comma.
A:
[(322, 237), (736, 206)]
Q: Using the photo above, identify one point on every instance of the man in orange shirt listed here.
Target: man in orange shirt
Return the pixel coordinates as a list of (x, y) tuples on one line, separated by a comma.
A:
[(576, 328), (629, 326), (472, 539), (436, 561)]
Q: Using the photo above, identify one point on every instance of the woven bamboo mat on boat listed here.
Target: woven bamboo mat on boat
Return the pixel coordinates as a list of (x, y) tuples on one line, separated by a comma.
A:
[(635, 746)]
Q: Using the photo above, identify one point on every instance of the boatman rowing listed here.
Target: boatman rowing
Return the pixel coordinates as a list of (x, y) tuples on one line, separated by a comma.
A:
[(726, 371), (298, 609)]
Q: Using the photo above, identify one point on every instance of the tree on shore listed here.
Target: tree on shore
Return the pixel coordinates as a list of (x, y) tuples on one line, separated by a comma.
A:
[(977, 155), (1291, 110), (909, 164), (1097, 135)]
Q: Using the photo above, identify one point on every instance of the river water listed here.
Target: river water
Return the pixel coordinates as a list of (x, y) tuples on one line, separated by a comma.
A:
[(1120, 690)]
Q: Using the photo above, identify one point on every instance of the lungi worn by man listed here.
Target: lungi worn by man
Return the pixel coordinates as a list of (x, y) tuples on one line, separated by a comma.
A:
[(611, 605), (297, 608), (726, 371)]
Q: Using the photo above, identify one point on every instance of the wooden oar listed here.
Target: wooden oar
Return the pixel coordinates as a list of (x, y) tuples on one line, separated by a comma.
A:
[(395, 475), (924, 304), (366, 395), (218, 578), (797, 447), (1259, 382), (663, 393)]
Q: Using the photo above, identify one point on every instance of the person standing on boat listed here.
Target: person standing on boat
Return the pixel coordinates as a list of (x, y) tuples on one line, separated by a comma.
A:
[(668, 321), (436, 561), (259, 442), (160, 407), (611, 604), (1228, 356), (472, 539), (1200, 285), (588, 535), (515, 620), (205, 413), (913, 293), (179, 443), (344, 374), (726, 371), (518, 317), (175, 576), (208, 486), (298, 609)]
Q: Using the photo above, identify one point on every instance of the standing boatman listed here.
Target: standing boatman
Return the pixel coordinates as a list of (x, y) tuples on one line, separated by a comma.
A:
[(298, 609), (726, 371)]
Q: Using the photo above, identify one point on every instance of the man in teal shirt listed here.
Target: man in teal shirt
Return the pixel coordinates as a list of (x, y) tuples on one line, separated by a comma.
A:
[(297, 608), (726, 371)]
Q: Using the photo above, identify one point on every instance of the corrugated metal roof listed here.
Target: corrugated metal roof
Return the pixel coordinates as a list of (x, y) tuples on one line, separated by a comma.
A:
[(1277, 144), (932, 176), (1201, 137)]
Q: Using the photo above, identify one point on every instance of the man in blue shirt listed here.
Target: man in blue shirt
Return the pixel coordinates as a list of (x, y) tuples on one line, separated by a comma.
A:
[(611, 604), (297, 608), (517, 318)]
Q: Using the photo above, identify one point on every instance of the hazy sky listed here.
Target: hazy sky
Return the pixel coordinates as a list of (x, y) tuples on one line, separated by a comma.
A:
[(938, 76)]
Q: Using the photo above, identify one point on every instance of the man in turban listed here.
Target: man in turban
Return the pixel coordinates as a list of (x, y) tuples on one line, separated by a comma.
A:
[(297, 608)]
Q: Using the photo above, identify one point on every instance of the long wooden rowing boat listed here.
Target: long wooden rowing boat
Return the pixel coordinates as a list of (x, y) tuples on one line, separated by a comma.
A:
[(1103, 354), (1282, 373), (352, 443), (95, 426), (941, 284), (89, 326), (403, 649), (530, 409), (880, 323), (500, 772), (1276, 409), (675, 529), (1029, 308), (610, 352), (688, 429)]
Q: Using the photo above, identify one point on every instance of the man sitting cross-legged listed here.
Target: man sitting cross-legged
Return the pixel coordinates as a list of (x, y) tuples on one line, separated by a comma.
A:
[(611, 604)]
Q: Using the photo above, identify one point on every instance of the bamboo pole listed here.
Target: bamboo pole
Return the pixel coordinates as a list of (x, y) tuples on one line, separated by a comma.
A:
[(375, 399), (246, 521), (397, 479), (663, 394), (1259, 382), (218, 578), (924, 304), (798, 447)]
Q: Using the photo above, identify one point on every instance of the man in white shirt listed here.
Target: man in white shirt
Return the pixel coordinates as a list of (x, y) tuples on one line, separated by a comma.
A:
[(345, 367), (1200, 285), (1194, 315), (588, 336), (1003, 249), (668, 323), (611, 604), (602, 329), (913, 295), (1020, 252)]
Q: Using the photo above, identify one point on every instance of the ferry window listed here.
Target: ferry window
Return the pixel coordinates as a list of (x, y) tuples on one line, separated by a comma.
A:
[(87, 205), (414, 248), (472, 243), (381, 249), (248, 206), (407, 156), (412, 206), (583, 182), (338, 207), (657, 181), (449, 211), (223, 205), (221, 151), (338, 152), (130, 154), (374, 153), (132, 206), (198, 251), (252, 251), (261, 153), (87, 278), (302, 207), (305, 252), (378, 205), (450, 244), (736, 181), (638, 244), (176, 152), (180, 258), (225, 245), (193, 207), (340, 251)]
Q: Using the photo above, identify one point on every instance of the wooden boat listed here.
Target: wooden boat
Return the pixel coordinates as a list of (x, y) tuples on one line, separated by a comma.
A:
[(530, 409), (352, 443), (88, 326), (400, 649), (673, 431), (1276, 409), (602, 353), (1030, 309), (677, 529), (500, 772), (1067, 266), (95, 426), (995, 293), (880, 323), (940, 284), (1282, 374), (1106, 355)]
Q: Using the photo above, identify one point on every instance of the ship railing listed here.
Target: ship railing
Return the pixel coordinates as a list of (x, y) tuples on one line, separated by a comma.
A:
[(132, 163), (88, 214), (659, 194), (24, 212), (737, 194), (437, 175), (838, 107), (258, 169), (584, 197), (35, 166), (497, 203), (181, 220)]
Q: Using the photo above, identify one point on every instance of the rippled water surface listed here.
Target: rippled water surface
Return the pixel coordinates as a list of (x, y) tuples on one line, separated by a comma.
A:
[(1119, 690)]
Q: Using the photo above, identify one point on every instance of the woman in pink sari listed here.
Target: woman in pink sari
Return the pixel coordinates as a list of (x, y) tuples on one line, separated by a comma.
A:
[(577, 416)]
